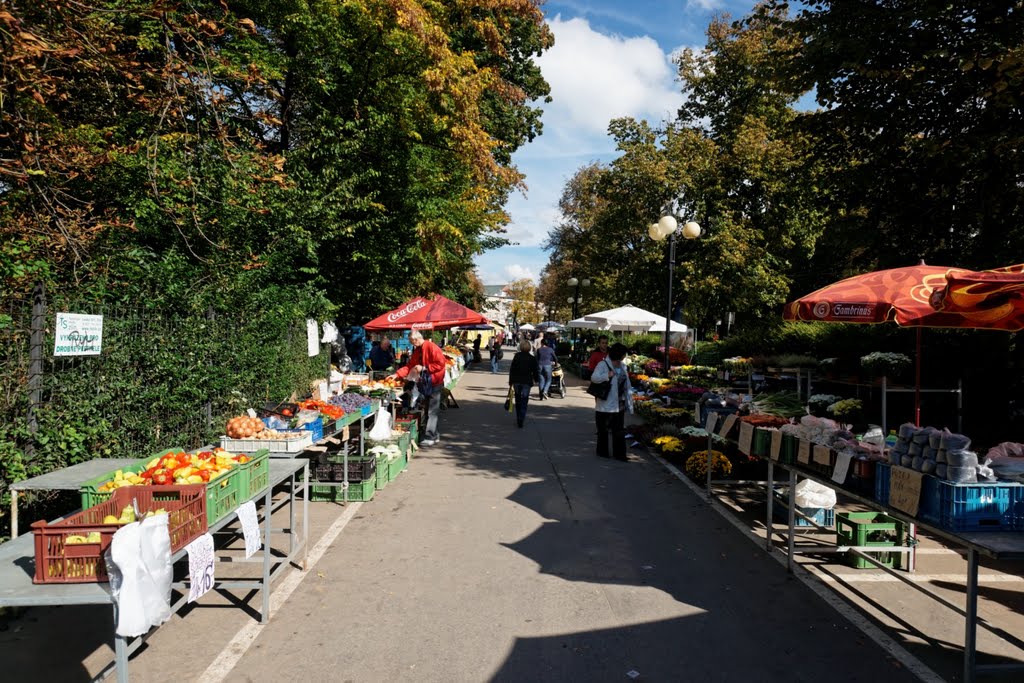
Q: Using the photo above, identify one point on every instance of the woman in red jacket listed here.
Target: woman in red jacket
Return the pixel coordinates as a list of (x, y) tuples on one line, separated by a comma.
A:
[(427, 357)]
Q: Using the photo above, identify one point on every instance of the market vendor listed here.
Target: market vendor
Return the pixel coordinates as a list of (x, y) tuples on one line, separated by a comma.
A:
[(382, 356), (598, 354), (427, 357)]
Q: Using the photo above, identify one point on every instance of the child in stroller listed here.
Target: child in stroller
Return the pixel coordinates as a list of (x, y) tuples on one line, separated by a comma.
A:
[(557, 381)]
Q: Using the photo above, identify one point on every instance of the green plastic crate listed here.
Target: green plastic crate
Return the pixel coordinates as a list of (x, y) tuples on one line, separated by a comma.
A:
[(383, 472), (91, 495), (357, 493), (395, 467), (255, 473), (762, 442), (864, 529)]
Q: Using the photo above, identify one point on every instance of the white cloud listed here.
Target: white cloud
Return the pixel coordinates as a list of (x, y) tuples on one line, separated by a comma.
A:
[(596, 77), (704, 5), (517, 272)]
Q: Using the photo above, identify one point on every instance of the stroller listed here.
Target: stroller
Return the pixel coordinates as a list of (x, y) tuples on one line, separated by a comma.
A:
[(557, 381)]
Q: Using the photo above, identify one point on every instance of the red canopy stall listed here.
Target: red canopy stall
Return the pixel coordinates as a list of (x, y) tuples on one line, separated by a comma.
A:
[(439, 313)]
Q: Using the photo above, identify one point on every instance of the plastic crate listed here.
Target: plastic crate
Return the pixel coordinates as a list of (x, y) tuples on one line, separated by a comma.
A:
[(316, 428), (357, 492), (293, 445), (863, 529), (383, 472), (255, 474), (821, 516), (882, 474), (929, 507), (59, 562), (359, 469), (396, 466), (981, 507), (91, 495)]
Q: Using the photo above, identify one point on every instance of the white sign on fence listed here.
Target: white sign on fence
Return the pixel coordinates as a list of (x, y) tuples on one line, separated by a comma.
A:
[(78, 334)]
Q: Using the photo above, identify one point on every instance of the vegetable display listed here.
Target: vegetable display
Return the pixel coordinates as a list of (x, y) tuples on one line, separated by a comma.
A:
[(178, 468)]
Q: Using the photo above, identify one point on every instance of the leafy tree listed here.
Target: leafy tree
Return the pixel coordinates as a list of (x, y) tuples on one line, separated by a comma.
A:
[(524, 307)]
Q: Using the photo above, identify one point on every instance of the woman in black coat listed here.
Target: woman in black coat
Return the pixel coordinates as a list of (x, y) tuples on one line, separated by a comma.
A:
[(521, 376)]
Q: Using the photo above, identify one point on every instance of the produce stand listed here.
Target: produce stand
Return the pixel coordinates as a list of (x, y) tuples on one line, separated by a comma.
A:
[(341, 425), (17, 557)]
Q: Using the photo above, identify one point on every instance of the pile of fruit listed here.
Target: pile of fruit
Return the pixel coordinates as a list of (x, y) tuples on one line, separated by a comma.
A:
[(244, 427), (178, 469), (331, 411)]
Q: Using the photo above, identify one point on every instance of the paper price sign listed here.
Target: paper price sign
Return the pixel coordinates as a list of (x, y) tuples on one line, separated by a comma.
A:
[(776, 445), (842, 467), (905, 490), (803, 453), (727, 426), (250, 528), (200, 566), (709, 426), (746, 437), (822, 455)]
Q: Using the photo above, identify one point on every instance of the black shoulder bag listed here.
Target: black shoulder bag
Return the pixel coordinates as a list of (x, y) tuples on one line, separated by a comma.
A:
[(600, 389)]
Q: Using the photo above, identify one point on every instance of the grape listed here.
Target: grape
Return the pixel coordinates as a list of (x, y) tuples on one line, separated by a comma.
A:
[(351, 402)]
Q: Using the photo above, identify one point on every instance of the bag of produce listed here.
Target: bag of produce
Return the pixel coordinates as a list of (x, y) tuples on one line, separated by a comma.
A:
[(811, 494)]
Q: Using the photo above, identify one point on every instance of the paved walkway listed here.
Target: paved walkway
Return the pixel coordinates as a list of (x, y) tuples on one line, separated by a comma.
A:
[(516, 555)]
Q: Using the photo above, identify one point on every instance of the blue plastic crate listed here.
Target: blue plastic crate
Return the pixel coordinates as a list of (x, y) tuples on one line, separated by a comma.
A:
[(981, 507), (821, 516), (882, 474), (316, 427), (929, 508)]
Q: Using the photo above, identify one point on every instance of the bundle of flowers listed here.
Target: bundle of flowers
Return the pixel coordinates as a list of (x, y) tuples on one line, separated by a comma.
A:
[(675, 356), (695, 372), (653, 367), (696, 437), (818, 403), (697, 465), (738, 364), (846, 409), (682, 391), (657, 382), (668, 444)]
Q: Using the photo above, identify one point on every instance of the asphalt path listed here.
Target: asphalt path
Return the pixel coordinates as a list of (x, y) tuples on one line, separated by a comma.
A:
[(507, 554)]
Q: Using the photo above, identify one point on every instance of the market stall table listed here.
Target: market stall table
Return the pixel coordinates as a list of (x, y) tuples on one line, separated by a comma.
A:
[(1006, 545), (17, 557)]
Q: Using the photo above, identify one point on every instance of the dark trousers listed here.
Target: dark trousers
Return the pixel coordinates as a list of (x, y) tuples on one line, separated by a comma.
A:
[(615, 422), (522, 400)]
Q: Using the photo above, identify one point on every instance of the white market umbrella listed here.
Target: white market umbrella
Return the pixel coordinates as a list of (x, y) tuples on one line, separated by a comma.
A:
[(631, 319), (583, 323), (528, 327)]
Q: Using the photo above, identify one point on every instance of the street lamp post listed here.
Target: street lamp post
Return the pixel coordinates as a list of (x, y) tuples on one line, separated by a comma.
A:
[(576, 300), (666, 227)]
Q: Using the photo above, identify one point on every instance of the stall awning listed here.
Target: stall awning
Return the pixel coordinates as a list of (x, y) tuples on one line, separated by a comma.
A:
[(438, 313)]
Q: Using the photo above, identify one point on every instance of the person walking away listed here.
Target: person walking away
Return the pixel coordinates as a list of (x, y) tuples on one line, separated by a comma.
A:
[(610, 413), (496, 354), (476, 348), (427, 357), (382, 356), (521, 376), (545, 361), (598, 354)]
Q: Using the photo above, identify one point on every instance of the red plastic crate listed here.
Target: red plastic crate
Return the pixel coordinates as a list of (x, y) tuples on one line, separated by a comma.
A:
[(59, 562)]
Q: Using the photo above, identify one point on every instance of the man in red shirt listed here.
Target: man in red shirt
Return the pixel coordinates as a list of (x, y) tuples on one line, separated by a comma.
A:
[(427, 357), (598, 354)]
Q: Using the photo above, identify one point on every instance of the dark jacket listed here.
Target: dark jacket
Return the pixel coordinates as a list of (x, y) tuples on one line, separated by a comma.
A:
[(524, 369), (495, 349)]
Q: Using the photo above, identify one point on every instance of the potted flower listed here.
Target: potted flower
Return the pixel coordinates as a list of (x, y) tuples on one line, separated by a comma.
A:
[(847, 411), (817, 404), (697, 465), (882, 364)]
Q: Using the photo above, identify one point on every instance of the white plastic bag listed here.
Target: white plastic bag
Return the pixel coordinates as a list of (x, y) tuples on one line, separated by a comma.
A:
[(811, 494), (139, 564), (381, 425)]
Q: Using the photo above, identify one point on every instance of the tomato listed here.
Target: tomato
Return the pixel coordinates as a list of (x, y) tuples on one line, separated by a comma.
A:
[(287, 412)]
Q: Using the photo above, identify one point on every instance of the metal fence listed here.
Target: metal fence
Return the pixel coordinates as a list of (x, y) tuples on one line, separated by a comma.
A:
[(163, 379)]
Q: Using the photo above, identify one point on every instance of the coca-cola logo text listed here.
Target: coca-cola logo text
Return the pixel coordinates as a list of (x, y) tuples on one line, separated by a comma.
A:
[(411, 307)]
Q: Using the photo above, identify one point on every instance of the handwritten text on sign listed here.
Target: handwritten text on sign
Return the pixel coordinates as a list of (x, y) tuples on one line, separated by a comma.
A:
[(905, 490), (250, 528), (78, 335), (200, 566)]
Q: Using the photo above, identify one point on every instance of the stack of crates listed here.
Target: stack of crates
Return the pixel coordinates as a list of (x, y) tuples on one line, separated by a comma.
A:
[(874, 529)]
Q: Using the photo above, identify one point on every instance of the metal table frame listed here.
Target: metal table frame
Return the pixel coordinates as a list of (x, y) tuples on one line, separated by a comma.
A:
[(17, 557), (994, 545)]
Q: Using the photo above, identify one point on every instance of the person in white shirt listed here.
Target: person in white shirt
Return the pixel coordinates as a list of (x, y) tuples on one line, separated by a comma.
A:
[(610, 413)]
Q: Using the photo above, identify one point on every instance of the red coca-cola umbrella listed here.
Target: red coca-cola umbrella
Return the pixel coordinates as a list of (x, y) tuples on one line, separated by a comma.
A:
[(438, 313)]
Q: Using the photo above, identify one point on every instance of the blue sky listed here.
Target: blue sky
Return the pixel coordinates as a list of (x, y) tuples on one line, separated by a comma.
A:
[(611, 58)]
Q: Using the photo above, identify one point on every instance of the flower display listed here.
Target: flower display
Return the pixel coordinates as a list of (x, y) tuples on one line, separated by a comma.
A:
[(847, 408), (889, 364), (669, 444), (738, 364), (697, 465)]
